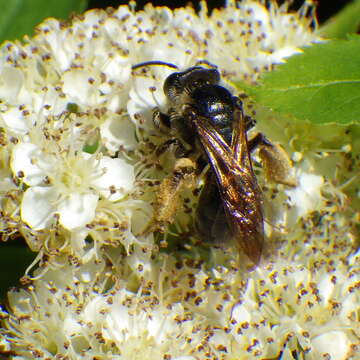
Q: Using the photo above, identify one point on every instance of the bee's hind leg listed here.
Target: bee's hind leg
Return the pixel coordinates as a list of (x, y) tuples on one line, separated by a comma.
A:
[(275, 160)]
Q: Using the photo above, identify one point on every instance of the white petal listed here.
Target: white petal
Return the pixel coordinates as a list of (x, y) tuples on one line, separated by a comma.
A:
[(257, 12), (241, 314), (118, 174), (306, 196), (11, 82), (118, 70), (59, 48), (174, 55), (78, 87), (37, 207), (70, 326), (334, 343), (143, 100), (118, 132), (6, 181), (116, 324), (30, 160), (326, 287), (77, 210), (78, 241), (14, 120)]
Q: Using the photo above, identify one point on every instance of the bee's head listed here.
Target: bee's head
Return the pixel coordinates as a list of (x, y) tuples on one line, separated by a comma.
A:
[(185, 82), (179, 82)]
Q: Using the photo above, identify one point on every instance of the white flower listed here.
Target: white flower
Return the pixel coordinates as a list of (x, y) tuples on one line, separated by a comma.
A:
[(146, 95), (286, 306), (69, 186), (117, 133), (79, 312), (333, 344), (178, 310), (306, 196), (72, 87)]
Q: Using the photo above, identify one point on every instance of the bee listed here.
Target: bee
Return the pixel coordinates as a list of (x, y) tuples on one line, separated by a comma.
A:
[(205, 115)]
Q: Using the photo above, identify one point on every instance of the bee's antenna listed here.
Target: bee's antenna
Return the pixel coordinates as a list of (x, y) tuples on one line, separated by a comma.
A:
[(154, 62)]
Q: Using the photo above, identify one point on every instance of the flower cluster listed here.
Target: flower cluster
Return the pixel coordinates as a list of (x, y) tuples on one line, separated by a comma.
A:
[(80, 169), (183, 311)]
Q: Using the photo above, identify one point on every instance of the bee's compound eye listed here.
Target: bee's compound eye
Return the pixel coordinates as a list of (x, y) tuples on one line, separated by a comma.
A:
[(171, 84), (214, 76), (192, 78), (199, 75)]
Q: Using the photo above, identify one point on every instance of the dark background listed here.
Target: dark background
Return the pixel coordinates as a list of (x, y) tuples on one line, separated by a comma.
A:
[(325, 8)]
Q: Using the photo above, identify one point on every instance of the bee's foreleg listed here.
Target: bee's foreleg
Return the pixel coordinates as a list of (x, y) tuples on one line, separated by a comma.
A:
[(161, 120)]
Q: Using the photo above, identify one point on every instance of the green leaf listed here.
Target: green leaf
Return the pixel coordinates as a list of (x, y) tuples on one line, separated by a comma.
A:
[(19, 17), (321, 85), (347, 21)]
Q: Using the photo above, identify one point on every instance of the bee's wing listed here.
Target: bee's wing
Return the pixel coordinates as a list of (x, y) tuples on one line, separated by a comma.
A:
[(240, 192)]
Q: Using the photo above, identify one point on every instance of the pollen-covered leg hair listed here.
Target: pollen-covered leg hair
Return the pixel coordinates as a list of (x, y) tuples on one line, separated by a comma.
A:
[(275, 160), (168, 195), (277, 165)]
